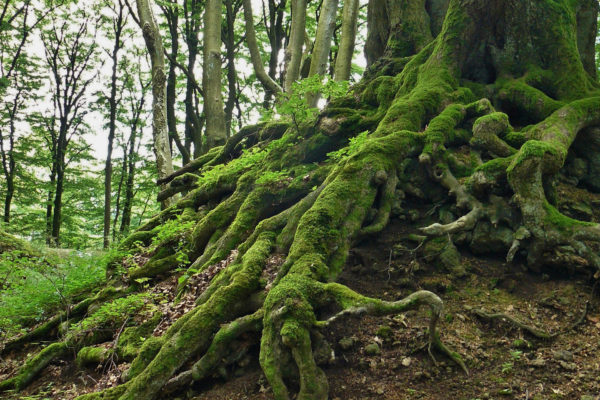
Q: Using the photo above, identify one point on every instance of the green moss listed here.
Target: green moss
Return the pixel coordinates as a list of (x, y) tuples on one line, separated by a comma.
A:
[(441, 130), (132, 338), (146, 354), (34, 365), (534, 148), (93, 355), (112, 314), (561, 221), (495, 167)]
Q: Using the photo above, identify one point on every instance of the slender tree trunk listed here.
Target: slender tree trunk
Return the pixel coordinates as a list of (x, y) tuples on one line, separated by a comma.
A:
[(268, 83), (211, 76), (49, 209), (119, 194), (118, 25), (193, 123), (154, 45), (172, 16), (343, 62), (293, 52), (8, 158), (60, 182), (320, 54)]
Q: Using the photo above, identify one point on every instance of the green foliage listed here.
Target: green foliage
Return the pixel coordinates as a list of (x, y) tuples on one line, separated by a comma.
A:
[(35, 287), (354, 145), (293, 104)]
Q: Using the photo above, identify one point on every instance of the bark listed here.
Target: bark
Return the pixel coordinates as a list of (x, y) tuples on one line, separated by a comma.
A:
[(9, 163), (343, 61), (155, 48), (172, 16), (268, 83), (232, 10), (211, 76), (277, 32), (293, 52), (194, 121), (320, 54), (118, 24)]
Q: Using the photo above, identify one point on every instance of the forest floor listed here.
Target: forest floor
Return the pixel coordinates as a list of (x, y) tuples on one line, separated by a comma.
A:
[(387, 358)]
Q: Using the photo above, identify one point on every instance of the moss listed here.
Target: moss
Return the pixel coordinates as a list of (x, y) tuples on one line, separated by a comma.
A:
[(93, 355), (533, 148), (33, 366), (561, 221), (195, 333), (495, 168), (441, 130), (155, 266), (146, 354), (132, 338), (143, 237)]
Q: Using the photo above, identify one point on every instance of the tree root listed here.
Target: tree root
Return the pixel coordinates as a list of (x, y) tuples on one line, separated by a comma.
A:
[(538, 333), (357, 304), (219, 349)]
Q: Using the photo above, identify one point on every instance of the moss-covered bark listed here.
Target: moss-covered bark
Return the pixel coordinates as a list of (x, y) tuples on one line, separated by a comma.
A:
[(507, 80)]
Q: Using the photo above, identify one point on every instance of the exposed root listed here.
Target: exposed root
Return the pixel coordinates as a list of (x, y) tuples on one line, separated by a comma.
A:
[(356, 304), (538, 333), (219, 349)]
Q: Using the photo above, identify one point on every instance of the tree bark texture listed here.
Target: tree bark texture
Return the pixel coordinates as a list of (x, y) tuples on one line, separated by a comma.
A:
[(211, 76), (162, 149)]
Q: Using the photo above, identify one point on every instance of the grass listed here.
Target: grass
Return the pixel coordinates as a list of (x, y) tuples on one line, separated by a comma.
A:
[(33, 288)]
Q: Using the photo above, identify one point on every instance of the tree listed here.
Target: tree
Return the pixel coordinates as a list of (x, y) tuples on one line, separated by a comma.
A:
[(343, 61), (268, 82), (293, 52), (162, 149), (69, 55), (119, 21), (18, 84), (322, 47), (434, 114), (211, 75)]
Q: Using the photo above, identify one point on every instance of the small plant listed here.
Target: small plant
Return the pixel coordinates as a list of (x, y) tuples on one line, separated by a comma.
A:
[(354, 145), (516, 354), (35, 287), (507, 367), (293, 105)]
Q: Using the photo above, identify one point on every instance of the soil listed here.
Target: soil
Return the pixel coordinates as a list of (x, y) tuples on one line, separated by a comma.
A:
[(387, 358)]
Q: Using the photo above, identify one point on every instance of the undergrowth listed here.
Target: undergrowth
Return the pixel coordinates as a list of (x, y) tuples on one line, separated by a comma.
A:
[(31, 289)]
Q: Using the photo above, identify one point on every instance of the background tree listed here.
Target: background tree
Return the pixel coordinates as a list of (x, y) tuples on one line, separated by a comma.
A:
[(155, 48), (211, 75), (118, 22), (70, 55)]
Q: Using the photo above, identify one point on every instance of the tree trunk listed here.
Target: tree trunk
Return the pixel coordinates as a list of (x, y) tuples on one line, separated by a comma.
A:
[(118, 24), (268, 83), (436, 117), (320, 53), (211, 76), (155, 48), (293, 52), (343, 61)]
